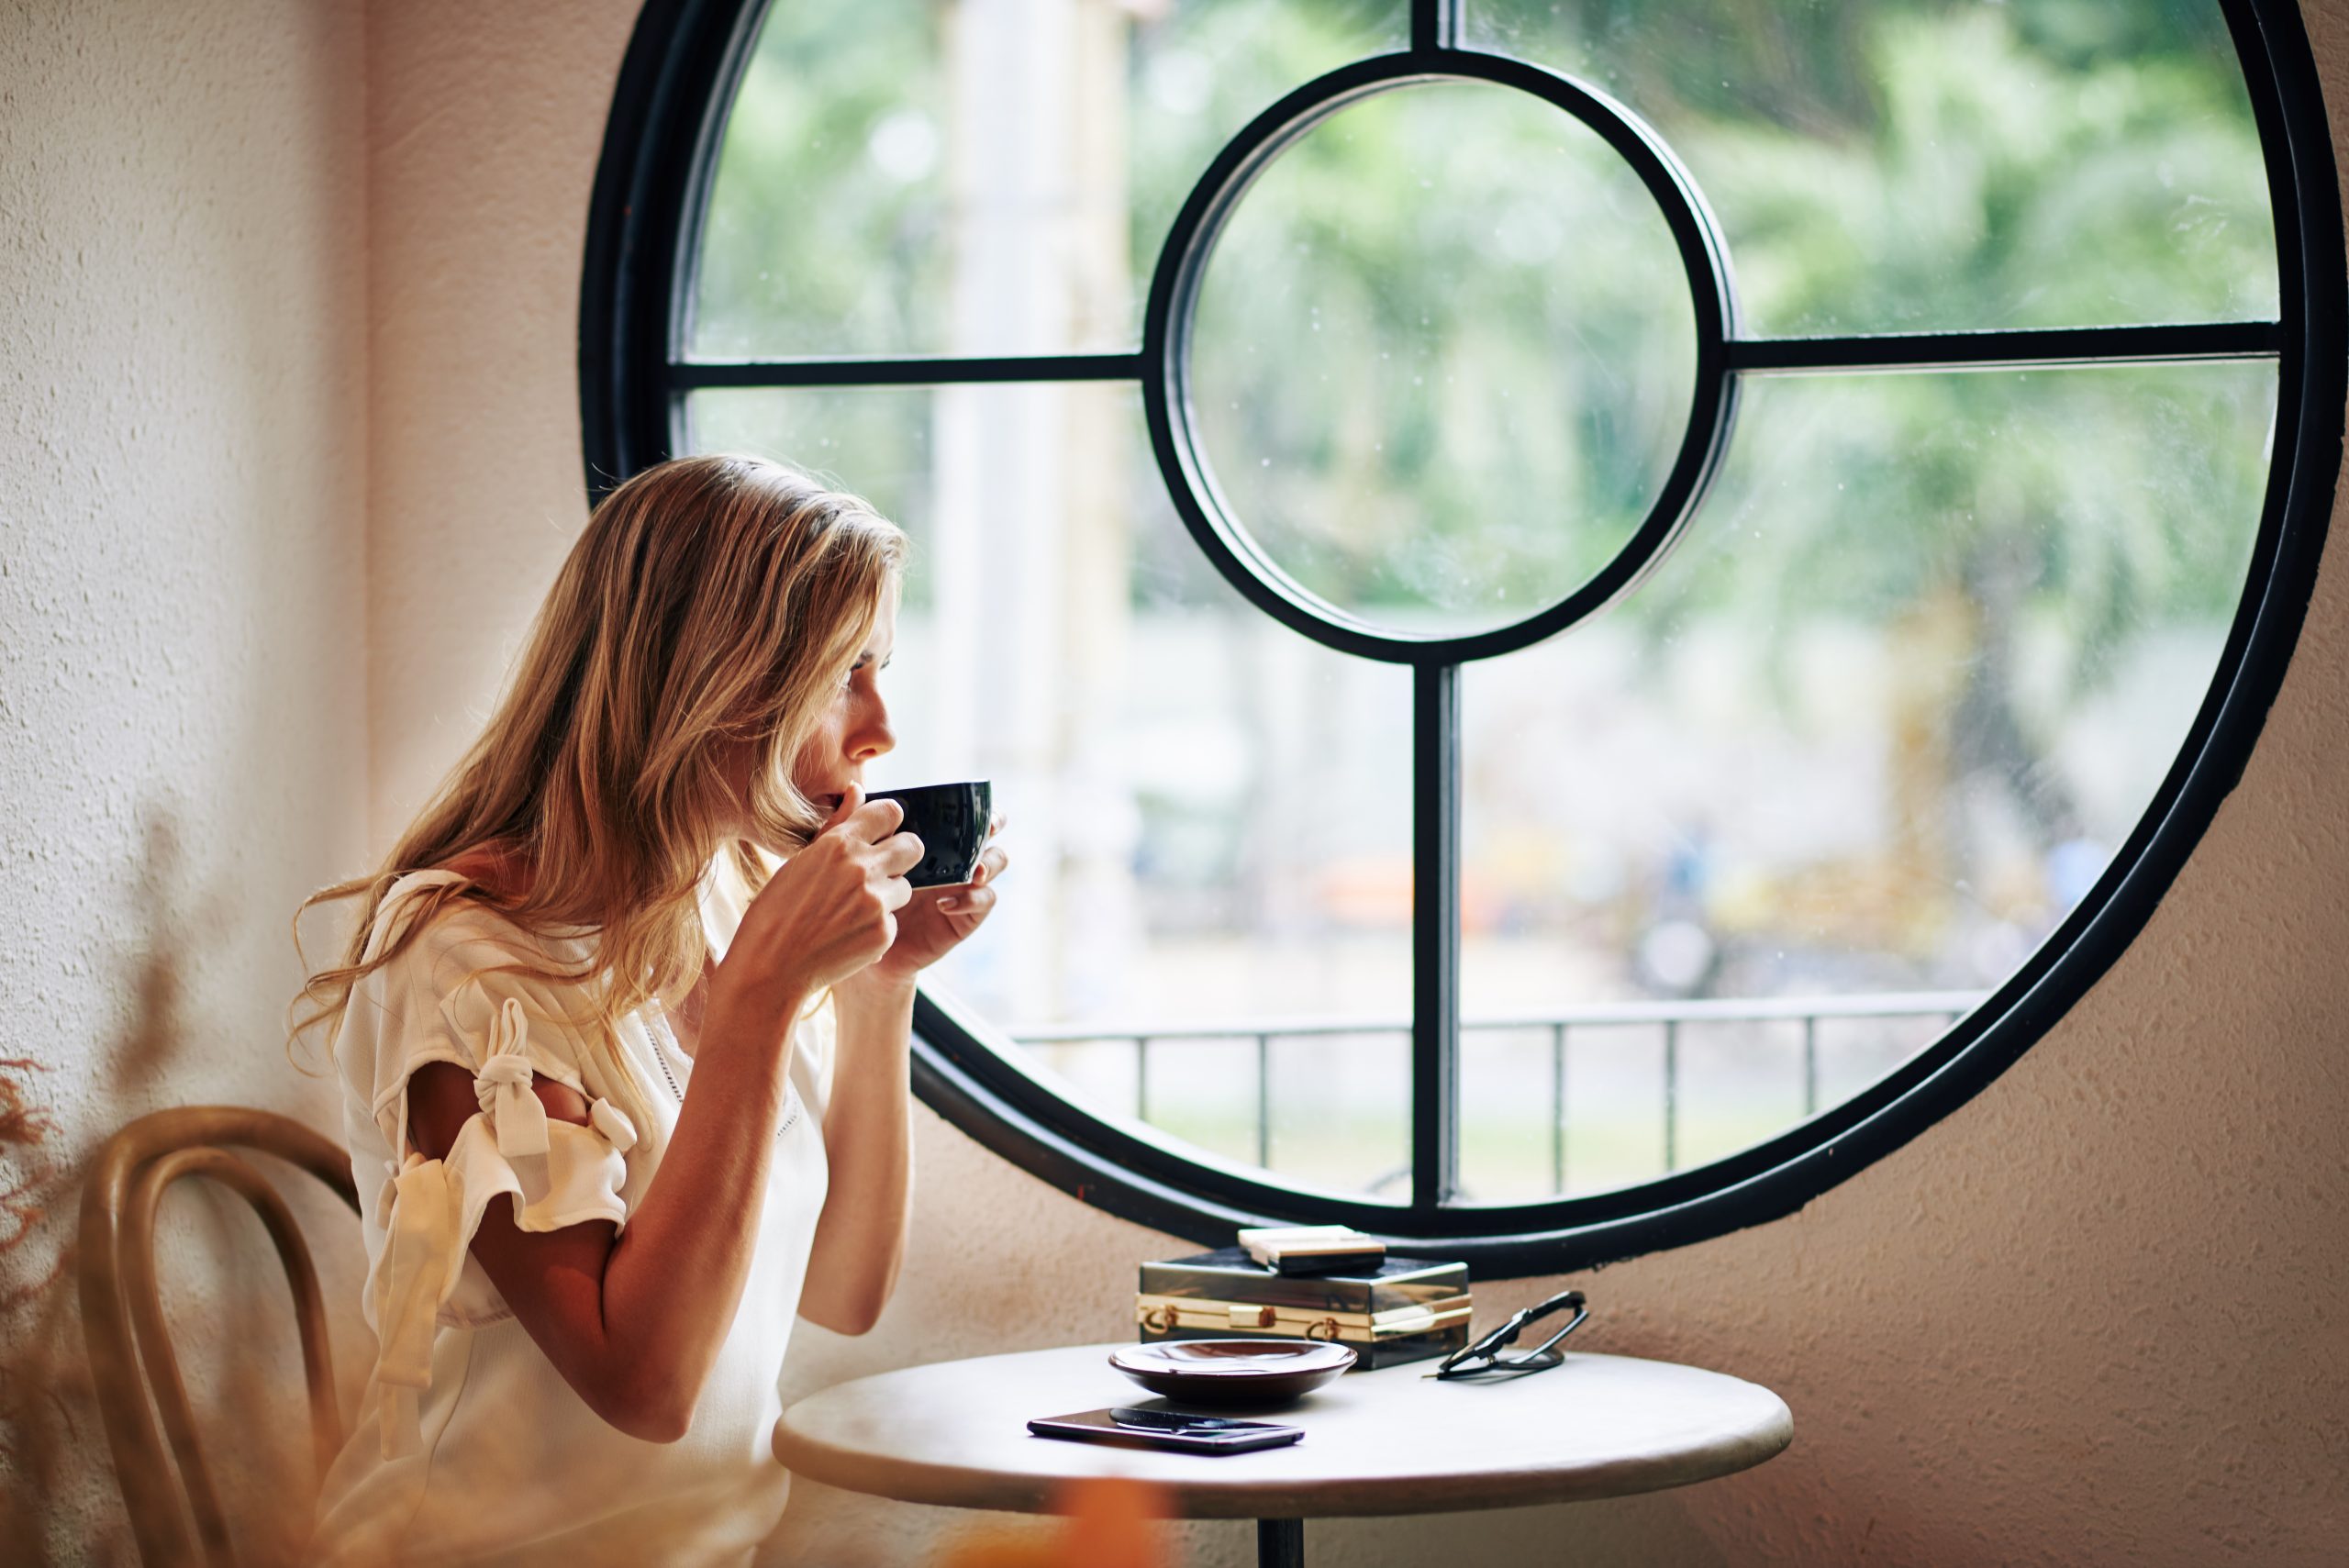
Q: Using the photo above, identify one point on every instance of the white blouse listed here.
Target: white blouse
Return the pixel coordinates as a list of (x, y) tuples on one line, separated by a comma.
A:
[(470, 1447)]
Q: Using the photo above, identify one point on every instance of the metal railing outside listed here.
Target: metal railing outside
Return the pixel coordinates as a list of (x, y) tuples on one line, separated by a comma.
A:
[(1671, 1017)]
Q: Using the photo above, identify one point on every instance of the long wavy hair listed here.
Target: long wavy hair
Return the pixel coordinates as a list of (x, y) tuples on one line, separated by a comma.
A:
[(711, 608)]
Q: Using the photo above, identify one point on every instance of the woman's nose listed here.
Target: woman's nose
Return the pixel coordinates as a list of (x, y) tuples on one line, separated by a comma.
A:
[(871, 735)]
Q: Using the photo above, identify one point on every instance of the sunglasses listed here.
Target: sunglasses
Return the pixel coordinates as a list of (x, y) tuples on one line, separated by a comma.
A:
[(1483, 1358)]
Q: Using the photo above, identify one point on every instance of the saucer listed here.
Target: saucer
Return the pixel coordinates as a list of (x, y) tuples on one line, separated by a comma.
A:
[(1233, 1372)]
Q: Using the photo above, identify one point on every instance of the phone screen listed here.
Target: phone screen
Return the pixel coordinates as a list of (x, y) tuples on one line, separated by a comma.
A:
[(1142, 1427)]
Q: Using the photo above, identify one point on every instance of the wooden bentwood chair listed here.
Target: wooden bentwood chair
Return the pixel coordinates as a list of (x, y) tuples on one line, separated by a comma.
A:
[(131, 1361)]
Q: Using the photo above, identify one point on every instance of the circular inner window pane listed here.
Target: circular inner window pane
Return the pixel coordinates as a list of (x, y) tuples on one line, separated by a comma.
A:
[(1443, 358)]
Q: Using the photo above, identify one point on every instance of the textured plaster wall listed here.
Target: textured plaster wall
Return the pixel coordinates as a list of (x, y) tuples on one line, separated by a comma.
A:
[(485, 123), (183, 746)]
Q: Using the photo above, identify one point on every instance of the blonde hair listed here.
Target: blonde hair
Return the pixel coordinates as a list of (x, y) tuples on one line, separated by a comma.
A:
[(713, 603)]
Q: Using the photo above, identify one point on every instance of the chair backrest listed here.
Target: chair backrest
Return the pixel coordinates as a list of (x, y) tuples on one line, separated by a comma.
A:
[(131, 1364)]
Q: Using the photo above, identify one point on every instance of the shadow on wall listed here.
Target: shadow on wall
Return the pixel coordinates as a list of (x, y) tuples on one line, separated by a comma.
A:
[(52, 1443)]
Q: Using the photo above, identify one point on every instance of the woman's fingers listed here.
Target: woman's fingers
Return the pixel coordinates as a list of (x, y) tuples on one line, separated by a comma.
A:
[(872, 820), (852, 802), (968, 904), (899, 853), (993, 859)]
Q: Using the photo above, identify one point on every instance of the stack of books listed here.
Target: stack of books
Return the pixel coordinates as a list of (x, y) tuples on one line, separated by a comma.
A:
[(1389, 1311)]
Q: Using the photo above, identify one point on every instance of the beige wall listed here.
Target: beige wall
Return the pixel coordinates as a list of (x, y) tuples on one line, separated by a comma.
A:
[(485, 123), (2093, 1318), (182, 751)]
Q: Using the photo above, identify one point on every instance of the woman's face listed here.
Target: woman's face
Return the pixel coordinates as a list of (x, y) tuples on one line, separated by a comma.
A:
[(854, 729)]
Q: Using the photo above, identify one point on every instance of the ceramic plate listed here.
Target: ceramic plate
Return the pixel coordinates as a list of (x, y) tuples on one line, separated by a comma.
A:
[(1233, 1372)]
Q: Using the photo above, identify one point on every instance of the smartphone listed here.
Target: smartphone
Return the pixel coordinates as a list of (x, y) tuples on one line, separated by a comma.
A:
[(1130, 1427)]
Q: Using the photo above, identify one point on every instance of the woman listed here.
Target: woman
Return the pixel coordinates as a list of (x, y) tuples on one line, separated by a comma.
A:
[(621, 1098)]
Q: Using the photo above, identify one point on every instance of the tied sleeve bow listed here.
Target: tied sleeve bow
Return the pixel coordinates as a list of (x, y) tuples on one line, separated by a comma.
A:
[(417, 1271), (428, 1209), (423, 1250), (502, 1087)]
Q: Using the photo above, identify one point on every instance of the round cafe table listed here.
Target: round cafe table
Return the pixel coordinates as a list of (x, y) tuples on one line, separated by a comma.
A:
[(1393, 1442)]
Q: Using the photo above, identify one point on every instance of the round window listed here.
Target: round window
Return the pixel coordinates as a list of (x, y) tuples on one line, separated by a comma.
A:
[(1589, 615)]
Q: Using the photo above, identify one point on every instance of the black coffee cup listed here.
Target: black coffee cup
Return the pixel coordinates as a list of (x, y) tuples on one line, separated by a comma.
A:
[(951, 821)]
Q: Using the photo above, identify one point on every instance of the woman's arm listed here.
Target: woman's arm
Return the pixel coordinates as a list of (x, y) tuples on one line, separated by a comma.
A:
[(868, 1141), (633, 1321)]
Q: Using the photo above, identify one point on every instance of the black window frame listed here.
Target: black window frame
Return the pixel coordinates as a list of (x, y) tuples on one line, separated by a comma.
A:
[(674, 89)]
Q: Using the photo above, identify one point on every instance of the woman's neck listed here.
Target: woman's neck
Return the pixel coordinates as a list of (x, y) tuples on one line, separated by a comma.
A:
[(495, 869)]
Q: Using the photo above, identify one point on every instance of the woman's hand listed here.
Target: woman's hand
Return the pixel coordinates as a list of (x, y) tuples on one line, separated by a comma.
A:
[(829, 912), (936, 920)]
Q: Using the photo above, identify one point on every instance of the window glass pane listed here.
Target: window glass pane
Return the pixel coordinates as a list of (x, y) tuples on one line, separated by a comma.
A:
[(982, 176), (1443, 358), (1210, 814), (1844, 761), (1941, 164)]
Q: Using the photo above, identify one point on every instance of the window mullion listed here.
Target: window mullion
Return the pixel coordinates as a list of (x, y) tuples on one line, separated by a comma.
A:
[(904, 370), (1435, 23), (2180, 342), (1435, 935)]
